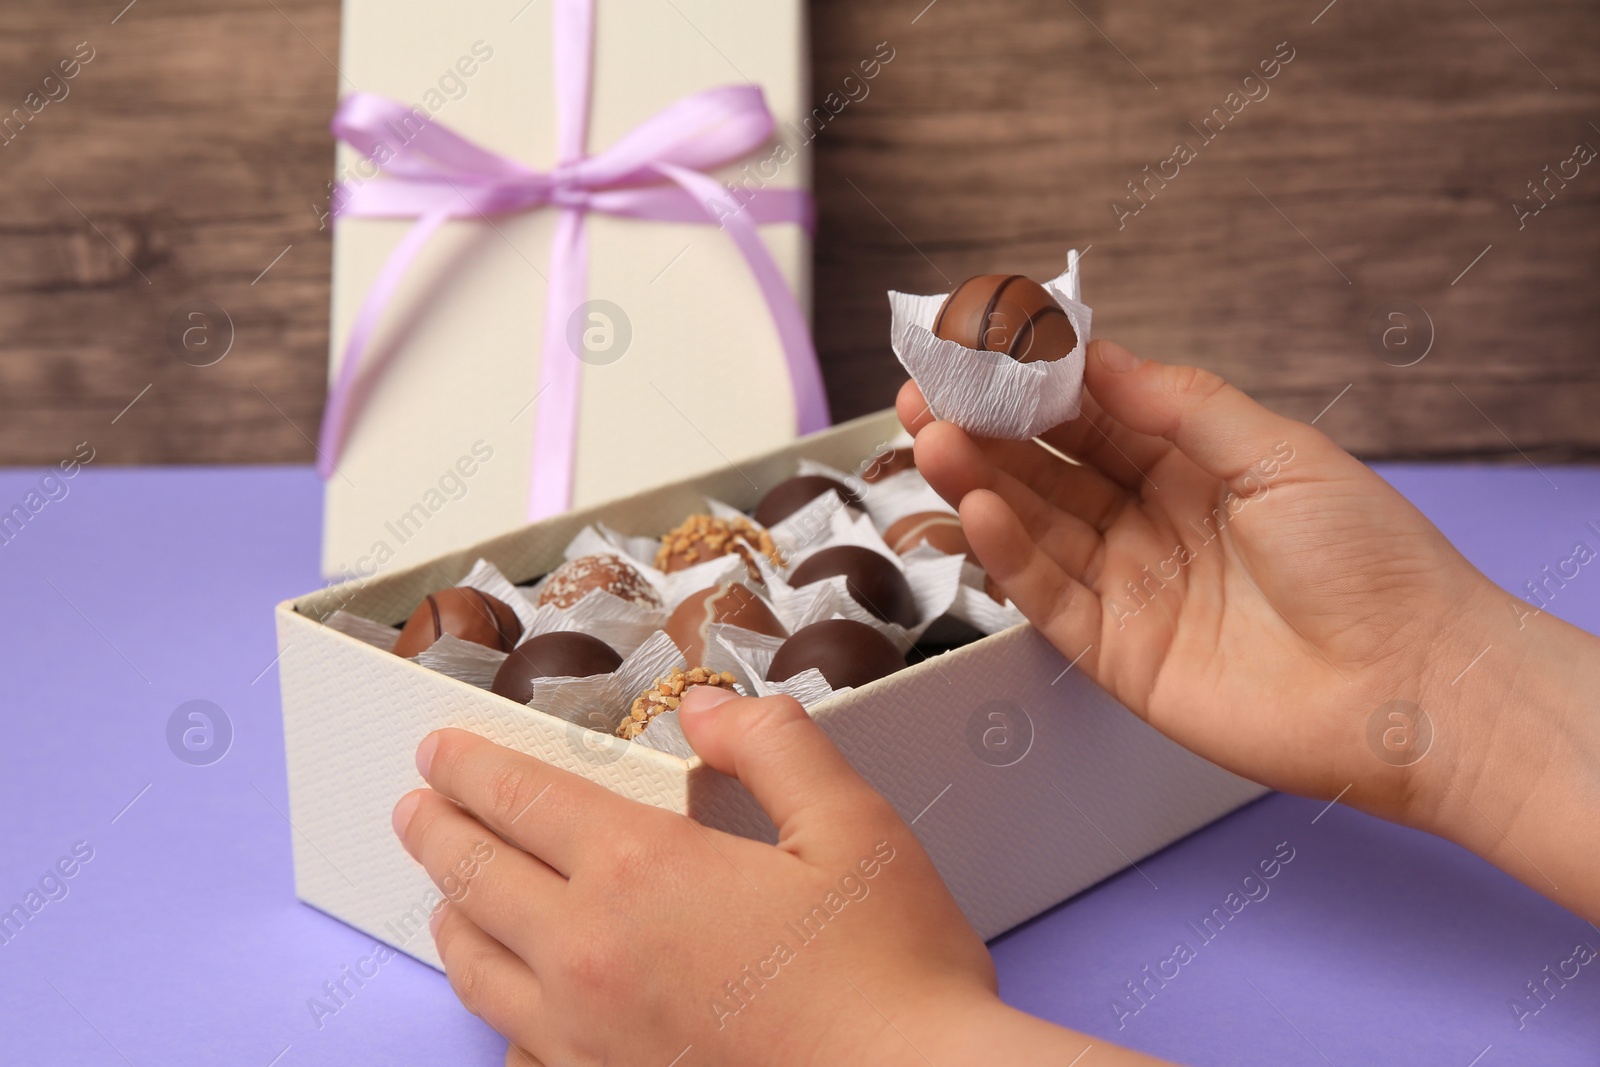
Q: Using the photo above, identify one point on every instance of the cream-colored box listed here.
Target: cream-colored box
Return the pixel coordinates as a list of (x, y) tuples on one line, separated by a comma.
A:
[(459, 346), (1072, 789)]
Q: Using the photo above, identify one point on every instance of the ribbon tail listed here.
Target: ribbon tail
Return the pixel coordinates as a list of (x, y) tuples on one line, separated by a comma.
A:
[(555, 426), (339, 411), (805, 374)]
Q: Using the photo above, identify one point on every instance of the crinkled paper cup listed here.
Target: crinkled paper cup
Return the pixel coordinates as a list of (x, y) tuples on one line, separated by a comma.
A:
[(989, 394)]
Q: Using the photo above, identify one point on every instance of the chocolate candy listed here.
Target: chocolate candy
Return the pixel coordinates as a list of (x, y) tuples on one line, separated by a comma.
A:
[(732, 603), (884, 464), (559, 654), (576, 578), (665, 695), (848, 653), (1006, 313), (702, 537), (937, 529), (873, 580), (463, 612), (788, 497)]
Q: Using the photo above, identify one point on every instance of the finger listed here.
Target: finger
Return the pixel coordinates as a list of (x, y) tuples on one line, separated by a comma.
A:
[(1221, 429), (955, 466), (808, 789), (957, 463), (1108, 448), (503, 889), (541, 808), (488, 978), (1075, 486), (1072, 486), (1101, 441), (1060, 607), (913, 408)]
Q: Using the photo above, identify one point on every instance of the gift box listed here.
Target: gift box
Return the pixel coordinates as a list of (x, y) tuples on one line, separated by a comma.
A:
[(1024, 780), (571, 260)]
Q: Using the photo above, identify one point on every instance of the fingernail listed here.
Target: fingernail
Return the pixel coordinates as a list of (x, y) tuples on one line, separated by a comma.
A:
[(703, 698), (404, 810), (436, 919), (425, 753), (1114, 357)]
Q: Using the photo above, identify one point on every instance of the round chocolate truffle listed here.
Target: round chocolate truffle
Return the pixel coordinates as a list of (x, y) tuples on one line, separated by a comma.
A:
[(702, 537), (462, 612), (558, 654), (731, 603), (936, 529), (848, 653), (577, 578), (884, 464), (872, 579), (1006, 313), (788, 497), (665, 694)]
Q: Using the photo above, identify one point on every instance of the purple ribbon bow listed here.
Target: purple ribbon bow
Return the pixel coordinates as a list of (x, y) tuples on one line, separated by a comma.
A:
[(653, 172)]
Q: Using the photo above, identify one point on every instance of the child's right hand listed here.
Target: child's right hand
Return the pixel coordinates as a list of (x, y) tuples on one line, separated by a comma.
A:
[(1260, 596)]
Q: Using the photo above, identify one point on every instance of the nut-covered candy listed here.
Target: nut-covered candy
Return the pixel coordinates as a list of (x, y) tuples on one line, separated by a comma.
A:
[(702, 537), (462, 612), (873, 581), (1006, 313), (731, 603), (882, 465), (665, 695), (559, 654), (848, 653), (936, 529), (792, 494), (576, 578)]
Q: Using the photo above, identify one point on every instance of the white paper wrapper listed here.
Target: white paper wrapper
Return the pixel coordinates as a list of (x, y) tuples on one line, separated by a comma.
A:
[(933, 582), (485, 577), (465, 661), (622, 624), (746, 655), (600, 702), (641, 552), (665, 734), (743, 653), (375, 634), (600, 538), (978, 610), (899, 495), (989, 393), (892, 498)]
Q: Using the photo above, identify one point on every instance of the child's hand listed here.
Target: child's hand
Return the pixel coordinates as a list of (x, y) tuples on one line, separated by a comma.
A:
[(614, 932), (1260, 596)]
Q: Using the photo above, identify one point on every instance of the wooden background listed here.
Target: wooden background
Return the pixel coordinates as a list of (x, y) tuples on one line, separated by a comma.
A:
[(1381, 168)]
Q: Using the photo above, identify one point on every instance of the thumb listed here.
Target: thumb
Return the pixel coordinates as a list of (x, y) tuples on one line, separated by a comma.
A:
[(1218, 427), (772, 746)]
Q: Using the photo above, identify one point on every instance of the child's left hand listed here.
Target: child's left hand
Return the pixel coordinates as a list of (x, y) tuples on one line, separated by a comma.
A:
[(616, 932)]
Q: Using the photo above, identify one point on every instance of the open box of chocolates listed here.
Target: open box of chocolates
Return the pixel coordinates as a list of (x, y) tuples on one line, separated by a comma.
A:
[(827, 571)]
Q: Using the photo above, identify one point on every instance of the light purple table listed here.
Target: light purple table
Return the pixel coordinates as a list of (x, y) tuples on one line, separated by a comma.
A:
[(180, 941)]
